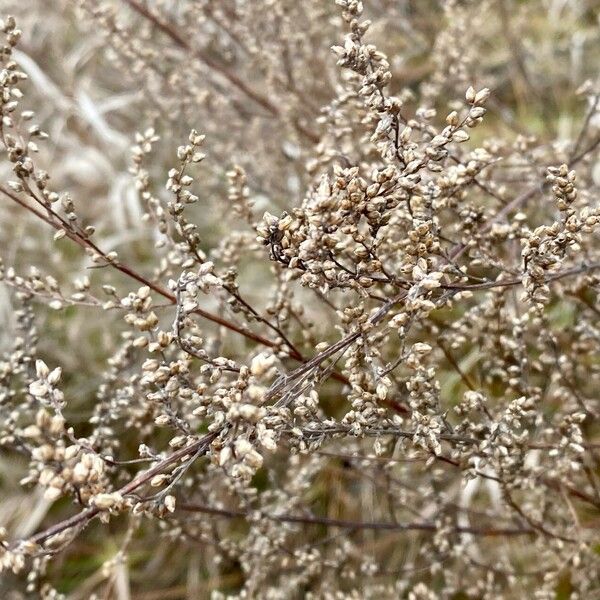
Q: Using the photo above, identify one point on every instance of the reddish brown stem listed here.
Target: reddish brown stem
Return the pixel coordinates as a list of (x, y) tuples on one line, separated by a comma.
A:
[(346, 524)]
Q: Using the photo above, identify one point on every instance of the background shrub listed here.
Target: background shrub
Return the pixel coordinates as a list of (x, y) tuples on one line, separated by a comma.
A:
[(299, 299)]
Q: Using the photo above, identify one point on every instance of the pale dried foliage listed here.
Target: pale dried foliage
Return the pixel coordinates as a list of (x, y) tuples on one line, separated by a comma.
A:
[(319, 318)]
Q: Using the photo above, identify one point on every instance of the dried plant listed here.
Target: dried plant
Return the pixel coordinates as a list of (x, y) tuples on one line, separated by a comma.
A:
[(329, 328)]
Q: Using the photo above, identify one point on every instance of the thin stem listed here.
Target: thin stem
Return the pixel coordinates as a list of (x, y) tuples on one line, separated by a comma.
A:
[(347, 524)]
